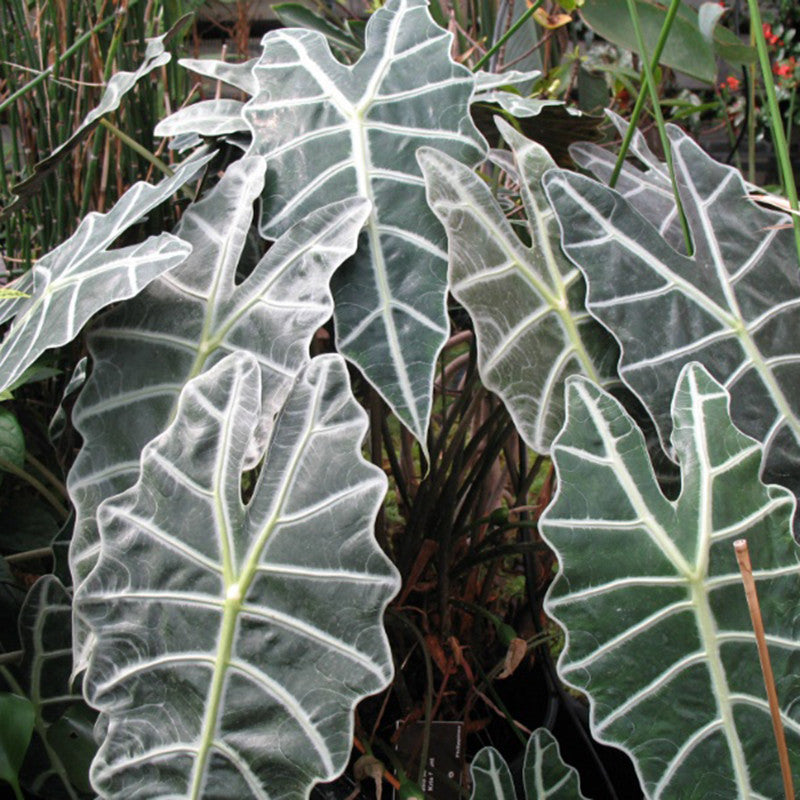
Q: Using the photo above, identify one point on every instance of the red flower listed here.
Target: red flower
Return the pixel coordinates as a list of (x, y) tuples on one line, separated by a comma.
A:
[(785, 69), (769, 35), (730, 83)]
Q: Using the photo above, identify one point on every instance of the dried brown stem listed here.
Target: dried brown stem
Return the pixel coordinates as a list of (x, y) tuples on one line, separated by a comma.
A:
[(745, 567)]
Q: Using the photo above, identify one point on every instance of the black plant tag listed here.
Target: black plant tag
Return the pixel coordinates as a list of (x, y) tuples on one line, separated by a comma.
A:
[(444, 768)]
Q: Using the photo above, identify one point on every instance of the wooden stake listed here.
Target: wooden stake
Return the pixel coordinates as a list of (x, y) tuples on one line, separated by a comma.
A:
[(745, 567)]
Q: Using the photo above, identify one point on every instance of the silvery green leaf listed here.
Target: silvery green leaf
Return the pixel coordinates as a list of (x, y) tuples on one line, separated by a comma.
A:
[(487, 81), (118, 85), (331, 131), (491, 777), (273, 607), (734, 305), (648, 189), (708, 17), (189, 320), (521, 107), (206, 118), (526, 302), (240, 76), (658, 633), (82, 276), (155, 56), (44, 678), (545, 776)]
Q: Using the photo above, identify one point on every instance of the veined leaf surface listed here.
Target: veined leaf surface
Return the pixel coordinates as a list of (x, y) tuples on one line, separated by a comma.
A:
[(82, 276), (545, 776), (273, 608), (658, 634), (206, 118), (734, 305), (648, 189), (491, 777), (188, 321), (331, 131), (527, 302), (44, 678)]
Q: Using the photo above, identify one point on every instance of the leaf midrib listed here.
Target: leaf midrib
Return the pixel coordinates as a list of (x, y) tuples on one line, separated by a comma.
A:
[(237, 585)]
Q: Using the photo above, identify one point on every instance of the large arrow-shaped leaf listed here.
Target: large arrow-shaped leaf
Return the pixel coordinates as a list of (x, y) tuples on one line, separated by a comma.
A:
[(234, 640), (331, 131), (82, 276), (657, 628), (189, 320), (545, 776), (734, 305), (43, 677), (526, 301)]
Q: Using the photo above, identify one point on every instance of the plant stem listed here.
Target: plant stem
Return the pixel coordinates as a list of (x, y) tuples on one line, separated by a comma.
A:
[(776, 120), (659, 118), (46, 473), (29, 555), (507, 35), (79, 42), (746, 568), (145, 154), (751, 119), (9, 466), (642, 96)]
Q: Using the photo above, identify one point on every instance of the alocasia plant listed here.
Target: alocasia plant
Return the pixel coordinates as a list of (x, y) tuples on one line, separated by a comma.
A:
[(733, 305), (526, 301), (331, 131), (657, 629), (187, 321), (544, 774), (229, 590), (82, 276), (222, 627)]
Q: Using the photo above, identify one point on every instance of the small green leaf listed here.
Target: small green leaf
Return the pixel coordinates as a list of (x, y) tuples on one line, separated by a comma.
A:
[(545, 776), (491, 777), (16, 728), (12, 439), (686, 49)]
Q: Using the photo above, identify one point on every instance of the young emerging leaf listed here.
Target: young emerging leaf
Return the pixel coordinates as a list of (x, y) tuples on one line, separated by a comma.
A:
[(233, 640), (734, 305), (191, 319), (82, 276), (44, 678), (658, 634), (491, 777), (526, 301), (331, 131), (545, 776)]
